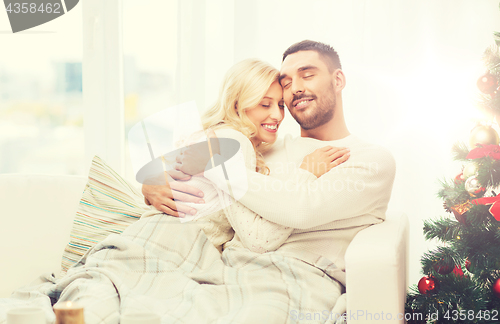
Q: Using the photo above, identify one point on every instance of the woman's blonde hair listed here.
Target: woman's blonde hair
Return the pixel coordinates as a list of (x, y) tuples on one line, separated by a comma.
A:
[(244, 86)]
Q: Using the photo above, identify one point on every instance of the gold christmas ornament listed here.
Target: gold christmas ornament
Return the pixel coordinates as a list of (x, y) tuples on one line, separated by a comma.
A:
[(484, 135), (470, 170), (460, 210)]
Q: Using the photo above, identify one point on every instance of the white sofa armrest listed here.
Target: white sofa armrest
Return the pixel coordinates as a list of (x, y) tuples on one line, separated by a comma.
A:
[(37, 213), (377, 272)]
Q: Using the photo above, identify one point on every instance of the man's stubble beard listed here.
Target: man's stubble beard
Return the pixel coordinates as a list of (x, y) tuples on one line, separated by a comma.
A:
[(322, 114)]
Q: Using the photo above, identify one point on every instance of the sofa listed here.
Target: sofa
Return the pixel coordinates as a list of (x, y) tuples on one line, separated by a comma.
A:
[(38, 211)]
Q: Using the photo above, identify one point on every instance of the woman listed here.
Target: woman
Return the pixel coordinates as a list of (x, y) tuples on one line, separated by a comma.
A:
[(249, 110)]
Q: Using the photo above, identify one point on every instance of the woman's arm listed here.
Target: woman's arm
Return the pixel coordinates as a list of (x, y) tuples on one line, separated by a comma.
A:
[(256, 233), (355, 188)]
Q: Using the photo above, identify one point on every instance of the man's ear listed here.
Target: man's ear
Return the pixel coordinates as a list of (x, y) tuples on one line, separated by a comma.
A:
[(339, 79)]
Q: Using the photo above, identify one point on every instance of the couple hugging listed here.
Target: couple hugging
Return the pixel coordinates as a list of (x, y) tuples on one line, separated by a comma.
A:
[(282, 212), (278, 249)]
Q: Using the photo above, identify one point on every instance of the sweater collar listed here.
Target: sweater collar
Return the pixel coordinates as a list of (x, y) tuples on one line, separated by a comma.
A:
[(340, 142)]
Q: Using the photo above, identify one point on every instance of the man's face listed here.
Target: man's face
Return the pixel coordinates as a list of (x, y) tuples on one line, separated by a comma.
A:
[(308, 89)]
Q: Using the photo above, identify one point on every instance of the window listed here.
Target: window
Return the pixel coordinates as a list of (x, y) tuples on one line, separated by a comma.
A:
[(150, 48), (41, 109)]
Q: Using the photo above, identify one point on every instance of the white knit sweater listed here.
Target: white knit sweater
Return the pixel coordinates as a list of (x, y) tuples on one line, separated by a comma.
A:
[(326, 212), (235, 225)]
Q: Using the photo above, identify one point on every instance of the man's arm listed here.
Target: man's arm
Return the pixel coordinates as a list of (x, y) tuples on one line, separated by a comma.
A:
[(356, 187), (164, 197)]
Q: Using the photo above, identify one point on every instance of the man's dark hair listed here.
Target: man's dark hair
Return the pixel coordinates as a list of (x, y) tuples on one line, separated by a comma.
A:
[(325, 51)]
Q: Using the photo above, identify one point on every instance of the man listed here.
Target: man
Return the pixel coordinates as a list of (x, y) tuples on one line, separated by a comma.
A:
[(326, 212)]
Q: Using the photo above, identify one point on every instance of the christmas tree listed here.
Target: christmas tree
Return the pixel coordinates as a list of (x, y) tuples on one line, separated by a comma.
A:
[(462, 275)]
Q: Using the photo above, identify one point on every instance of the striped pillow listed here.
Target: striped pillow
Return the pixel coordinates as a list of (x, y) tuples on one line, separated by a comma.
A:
[(109, 204)]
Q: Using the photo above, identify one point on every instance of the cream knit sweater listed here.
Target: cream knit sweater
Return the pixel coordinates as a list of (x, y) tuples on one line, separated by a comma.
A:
[(326, 212)]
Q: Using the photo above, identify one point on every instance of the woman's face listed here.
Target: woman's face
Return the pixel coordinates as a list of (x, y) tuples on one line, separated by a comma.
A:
[(268, 114)]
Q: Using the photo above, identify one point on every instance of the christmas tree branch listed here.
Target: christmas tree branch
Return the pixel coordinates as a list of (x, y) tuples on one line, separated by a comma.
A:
[(460, 151), (488, 172), (491, 59), (452, 193), (444, 229)]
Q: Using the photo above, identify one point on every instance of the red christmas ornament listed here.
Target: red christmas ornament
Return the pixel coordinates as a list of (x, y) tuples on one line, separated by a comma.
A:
[(427, 284), (459, 179), (487, 84), (442, 268), (496, 288), (457, 271)]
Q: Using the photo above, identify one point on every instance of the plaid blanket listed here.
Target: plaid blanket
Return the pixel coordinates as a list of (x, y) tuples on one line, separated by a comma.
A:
[(162, 266)]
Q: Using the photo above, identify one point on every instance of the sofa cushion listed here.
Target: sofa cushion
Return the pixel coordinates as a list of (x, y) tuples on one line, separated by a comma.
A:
[(108, 205)]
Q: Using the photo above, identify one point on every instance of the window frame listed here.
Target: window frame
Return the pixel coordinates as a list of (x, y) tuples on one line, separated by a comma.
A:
[(102, 73)]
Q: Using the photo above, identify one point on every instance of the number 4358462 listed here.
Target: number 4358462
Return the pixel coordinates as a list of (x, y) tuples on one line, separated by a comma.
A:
[(26, 7), (471, 315)]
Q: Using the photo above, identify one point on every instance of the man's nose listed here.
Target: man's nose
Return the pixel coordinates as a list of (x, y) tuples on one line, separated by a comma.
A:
[(297, 86)]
